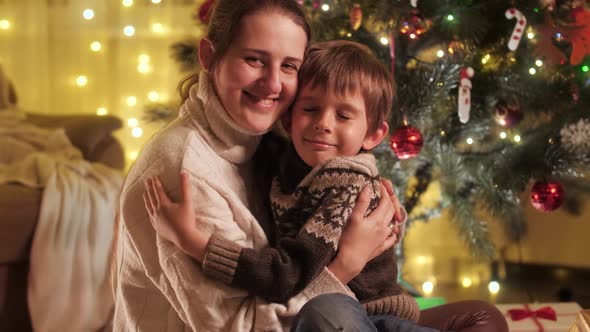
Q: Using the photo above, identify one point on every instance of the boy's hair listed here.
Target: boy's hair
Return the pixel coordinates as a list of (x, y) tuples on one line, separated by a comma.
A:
[(224, 24), (347, 67)]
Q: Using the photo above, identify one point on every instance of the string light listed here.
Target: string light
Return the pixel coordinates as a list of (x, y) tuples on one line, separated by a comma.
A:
[(450, 17), (95, 46), (325, 7), (585, 68), (143, 58), (503, 135), (136, 132), (469, 140), (413, 36), (4, 24), (485, 59), (539, 63), (88, 14), (517, 138), (131, 101), (532, 71), (156, 1), (467, 282), (494, 287), (101, 111), (384, 41), (440, 53), (132, 122), (129, 30), (81, 80), (530, 35), (127, 3), (428, 287)]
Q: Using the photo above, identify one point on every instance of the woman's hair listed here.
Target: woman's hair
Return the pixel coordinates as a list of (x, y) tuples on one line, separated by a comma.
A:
[(347, 67), (224, 24)]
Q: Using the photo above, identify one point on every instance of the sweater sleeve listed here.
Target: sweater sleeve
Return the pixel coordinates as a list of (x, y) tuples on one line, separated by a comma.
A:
[(277, 274)]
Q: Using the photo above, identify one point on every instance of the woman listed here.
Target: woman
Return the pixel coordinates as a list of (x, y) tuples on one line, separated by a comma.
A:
[(250, 56)]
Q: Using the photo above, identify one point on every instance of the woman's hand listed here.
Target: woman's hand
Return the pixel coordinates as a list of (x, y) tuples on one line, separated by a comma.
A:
[(364, 238), (175, 221)]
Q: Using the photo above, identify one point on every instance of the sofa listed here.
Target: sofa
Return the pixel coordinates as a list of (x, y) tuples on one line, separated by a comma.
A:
[(19, 208)]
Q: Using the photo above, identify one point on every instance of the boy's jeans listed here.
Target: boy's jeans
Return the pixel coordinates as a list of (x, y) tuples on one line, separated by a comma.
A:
[(339, 312)]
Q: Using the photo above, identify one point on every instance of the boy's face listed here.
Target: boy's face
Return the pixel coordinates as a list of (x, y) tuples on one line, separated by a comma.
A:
[(325, 125)]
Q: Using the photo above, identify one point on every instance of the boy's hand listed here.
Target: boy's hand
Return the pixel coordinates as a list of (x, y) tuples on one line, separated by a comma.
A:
[(172, 221)]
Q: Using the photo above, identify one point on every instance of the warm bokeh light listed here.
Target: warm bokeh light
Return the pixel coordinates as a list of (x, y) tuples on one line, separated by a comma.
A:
[(81, 80), (156, 1), (4, 24), (494, 287), (88, 14), (440, 53), (384, 41), (144, 68), (539, 63), (143, 58), (503, 135), (133, 155), (131, 101), (466, 282), (157, 28), (136, 132), (325, 7), (532, 71), (95, 46), (101, 111), (132, 122), (427, 287), (469, 140), (153, 96), (127, 3), (129, 31), (517, 138)]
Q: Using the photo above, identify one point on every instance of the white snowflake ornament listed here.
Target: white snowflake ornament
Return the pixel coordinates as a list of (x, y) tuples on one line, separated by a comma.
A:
[(575, 138)]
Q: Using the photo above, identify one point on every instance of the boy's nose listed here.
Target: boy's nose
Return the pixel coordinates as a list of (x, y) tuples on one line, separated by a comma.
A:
[(323, 124)]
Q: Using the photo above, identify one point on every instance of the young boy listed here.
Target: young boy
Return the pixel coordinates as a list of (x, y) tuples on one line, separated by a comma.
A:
[(341, 112)]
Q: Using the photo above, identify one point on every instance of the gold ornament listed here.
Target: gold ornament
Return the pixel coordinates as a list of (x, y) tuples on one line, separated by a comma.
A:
[(356, 16)]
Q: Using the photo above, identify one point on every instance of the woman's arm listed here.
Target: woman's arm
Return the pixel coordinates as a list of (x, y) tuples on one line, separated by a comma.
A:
[(274, 273)]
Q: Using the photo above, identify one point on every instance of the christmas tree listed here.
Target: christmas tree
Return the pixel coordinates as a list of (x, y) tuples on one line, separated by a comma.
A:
[(493, 102)]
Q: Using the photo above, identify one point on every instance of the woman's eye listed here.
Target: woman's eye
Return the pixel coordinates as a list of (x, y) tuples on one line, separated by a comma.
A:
[(254, 61), (290, 67)]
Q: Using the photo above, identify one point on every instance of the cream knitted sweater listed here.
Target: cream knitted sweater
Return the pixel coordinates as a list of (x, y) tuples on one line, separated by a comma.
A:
[(157, 287)]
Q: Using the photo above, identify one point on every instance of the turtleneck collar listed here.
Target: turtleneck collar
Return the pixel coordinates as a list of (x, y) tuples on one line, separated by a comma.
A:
[(230, 141)]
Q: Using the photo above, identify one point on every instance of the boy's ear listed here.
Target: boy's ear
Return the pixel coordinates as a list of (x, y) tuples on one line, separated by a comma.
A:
[(206, 51), (373, 139)]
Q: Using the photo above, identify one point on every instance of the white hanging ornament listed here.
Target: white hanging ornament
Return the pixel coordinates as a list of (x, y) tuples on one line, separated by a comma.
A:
[(518, 30), (414, 3), (575, 138), (464, 100)]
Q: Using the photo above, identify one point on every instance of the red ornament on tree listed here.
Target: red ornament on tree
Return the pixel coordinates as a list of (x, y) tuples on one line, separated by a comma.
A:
[(406, 142), (508, 113), (547, 196), (356, 17)]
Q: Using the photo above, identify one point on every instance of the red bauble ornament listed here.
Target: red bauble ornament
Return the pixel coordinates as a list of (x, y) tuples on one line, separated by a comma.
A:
[(406, 142), (356, 17), (205, 11), (547, 196), (508, 114)]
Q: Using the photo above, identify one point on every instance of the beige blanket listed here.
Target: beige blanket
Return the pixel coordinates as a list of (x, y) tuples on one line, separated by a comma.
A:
[(68, 280)]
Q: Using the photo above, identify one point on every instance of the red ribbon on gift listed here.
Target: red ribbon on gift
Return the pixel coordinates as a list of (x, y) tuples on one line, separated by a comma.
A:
[(544, 313)]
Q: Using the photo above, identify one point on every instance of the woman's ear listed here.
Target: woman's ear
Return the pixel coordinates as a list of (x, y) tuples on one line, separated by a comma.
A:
[(206, 51), (374, 138)]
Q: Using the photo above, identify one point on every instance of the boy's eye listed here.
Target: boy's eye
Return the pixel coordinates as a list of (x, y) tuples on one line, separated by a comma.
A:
[(309, 109), (344, 116)]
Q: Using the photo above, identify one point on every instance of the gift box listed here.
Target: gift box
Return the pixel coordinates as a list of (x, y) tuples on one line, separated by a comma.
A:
[(582, 323), (540, 317)]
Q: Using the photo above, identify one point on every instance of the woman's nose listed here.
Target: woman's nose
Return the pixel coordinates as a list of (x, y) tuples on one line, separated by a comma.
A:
[(271, 81)]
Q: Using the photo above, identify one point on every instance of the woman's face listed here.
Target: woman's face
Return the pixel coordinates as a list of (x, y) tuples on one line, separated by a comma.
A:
[(256, 80)]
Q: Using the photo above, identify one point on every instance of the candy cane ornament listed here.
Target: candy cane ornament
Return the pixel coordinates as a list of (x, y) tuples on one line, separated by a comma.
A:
[(518, 30), (464, 100)]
